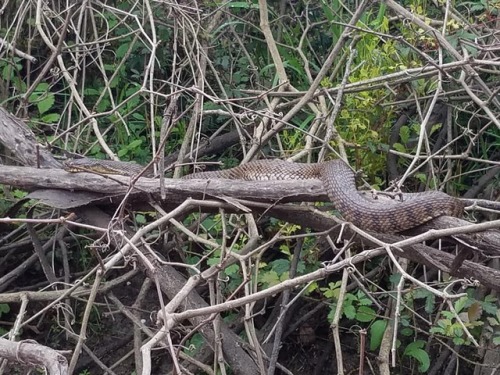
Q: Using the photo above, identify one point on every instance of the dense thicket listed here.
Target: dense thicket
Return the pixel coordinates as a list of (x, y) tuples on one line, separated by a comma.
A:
[(406, 91)]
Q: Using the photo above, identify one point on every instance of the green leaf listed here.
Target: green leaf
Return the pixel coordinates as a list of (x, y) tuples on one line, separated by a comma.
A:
[(478, 7), (492, 321), (434, 128), (42, 87), (404, 134), (422, 177), (496, 340), (437, 330), (332, 291), (213, 261), (405, 320), (349, 312), (349, 298), (444, 323), (430, 302), (193, 344), (365, 314), (311, 288), (490, 308), (192, 260), (4, 308), (285, 249), (458, 330), (19, 194), (46, 103), (415, 350), (418, 344), (377, 330), (399, 147), (135, 144), (301, 267), (122, 152), (137, 115), (280, 266), (331, 314), (394, 278), (460, 304), (270, 278), (365, 301), (122, 50), (140, 219), (407, 332), (6, 72), (232, 269), (51, 118), (490, 298)]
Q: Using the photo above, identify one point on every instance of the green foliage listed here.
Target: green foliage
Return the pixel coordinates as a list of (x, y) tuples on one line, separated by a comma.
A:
[(356, 306), (417, 294), (4, 308), (278, 270), (415, 351), (193, 344), (121, 97), (212, 225), (481, 8), (19, 194), (132, 148), (11, 72), (44, 100), (140, 219), (377, 330), (451, 324), (361, 111)]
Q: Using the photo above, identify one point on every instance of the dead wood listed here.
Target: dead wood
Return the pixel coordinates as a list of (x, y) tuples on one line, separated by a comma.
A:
[(176, 190), (95, 189), (171, 282), (34, 354), (113, 189)]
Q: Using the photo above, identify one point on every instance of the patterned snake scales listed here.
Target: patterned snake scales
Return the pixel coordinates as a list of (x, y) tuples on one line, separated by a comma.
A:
[(338, 181)]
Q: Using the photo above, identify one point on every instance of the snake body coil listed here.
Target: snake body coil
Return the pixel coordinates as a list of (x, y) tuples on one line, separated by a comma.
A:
[(338, 181)]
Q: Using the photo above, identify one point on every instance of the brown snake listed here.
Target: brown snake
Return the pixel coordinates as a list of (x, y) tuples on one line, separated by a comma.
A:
[(339, 183), (103, 166)]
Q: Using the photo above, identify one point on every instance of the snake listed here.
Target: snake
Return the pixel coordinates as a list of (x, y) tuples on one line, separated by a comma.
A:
[(338, 180), (103, 166)]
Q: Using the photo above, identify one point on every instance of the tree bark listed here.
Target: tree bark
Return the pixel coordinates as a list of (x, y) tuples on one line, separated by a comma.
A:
[(34, 354)]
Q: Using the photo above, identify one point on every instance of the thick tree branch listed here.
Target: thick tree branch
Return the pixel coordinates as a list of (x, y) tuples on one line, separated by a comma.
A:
[(176, 190), (34, 354)]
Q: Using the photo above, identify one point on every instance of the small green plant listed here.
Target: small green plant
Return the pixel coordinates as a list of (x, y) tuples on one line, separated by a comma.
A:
[(44, 100), (413, 350), (416, 351), (356, 306), (493, 327), (193, 344), (451, 324)]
